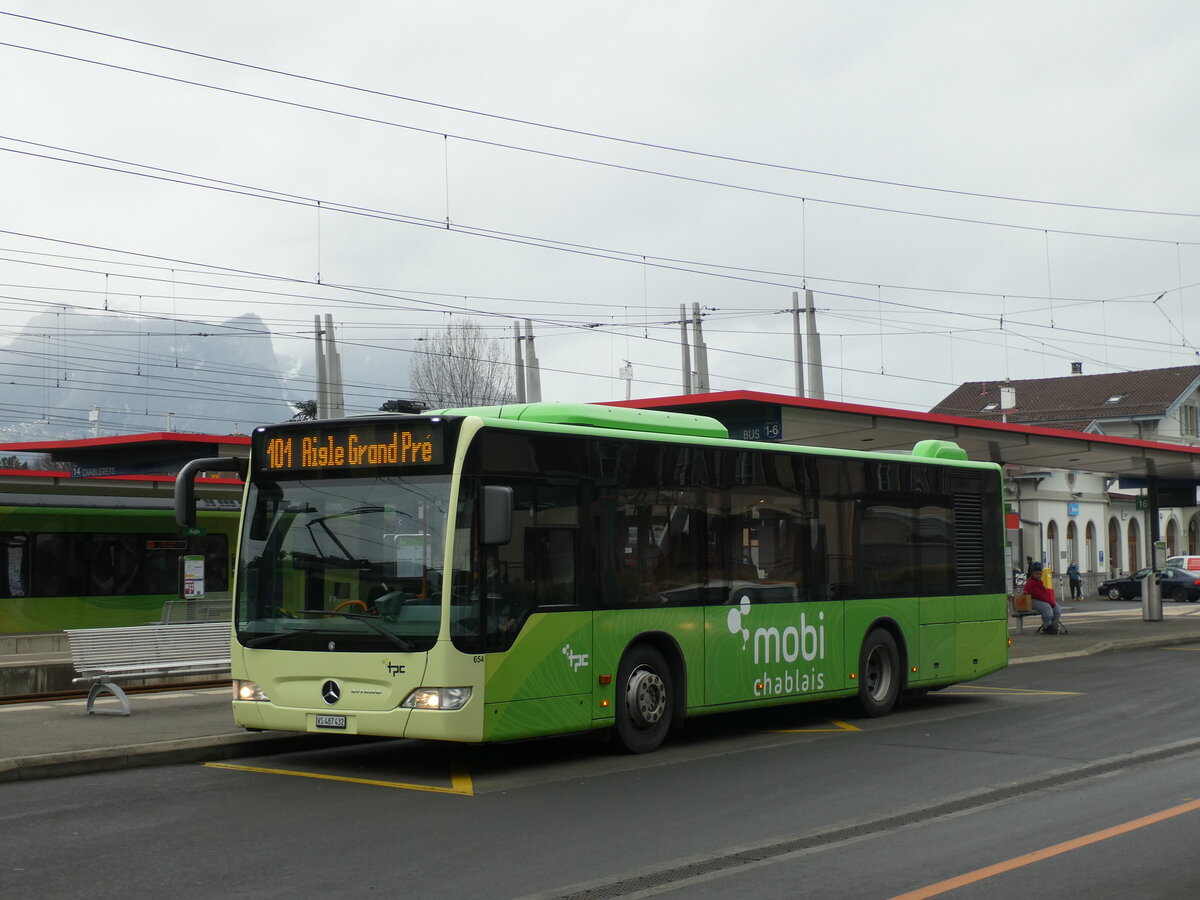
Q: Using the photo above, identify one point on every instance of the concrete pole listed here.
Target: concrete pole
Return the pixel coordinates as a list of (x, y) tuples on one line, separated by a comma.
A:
[(1151, 589), (533, 370), (797, 344), (518, 364), (322, 376), (686, 383), (701, 351), (337, 397), (816, 378)]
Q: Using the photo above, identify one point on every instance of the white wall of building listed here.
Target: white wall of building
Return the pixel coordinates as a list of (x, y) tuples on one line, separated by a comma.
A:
[(1067, 516)]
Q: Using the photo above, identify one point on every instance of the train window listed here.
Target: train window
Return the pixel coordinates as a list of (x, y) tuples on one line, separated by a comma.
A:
[(59, 565), (14, 582), (215, 548), (114, 565)]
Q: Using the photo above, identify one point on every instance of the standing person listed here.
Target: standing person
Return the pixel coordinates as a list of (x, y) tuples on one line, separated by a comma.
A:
[(1076, 581), (1043, 600)]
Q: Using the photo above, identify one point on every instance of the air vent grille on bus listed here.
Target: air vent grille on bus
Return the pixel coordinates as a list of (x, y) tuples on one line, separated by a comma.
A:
[(968, 540)]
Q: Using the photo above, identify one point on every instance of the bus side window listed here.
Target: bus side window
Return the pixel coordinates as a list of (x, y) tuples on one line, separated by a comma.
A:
[(539, 565)]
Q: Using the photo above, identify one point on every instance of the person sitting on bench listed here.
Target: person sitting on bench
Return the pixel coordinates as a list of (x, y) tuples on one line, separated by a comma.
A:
[(1043, 600)]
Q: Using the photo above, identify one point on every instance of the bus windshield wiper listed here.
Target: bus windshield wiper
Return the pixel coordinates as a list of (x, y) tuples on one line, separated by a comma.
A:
[(263, 639), (372, 621)]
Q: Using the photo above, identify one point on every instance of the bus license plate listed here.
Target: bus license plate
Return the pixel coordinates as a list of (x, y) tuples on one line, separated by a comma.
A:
[(331, 721)]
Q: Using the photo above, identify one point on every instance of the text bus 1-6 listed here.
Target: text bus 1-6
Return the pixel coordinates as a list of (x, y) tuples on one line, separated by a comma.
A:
[(508, 572)]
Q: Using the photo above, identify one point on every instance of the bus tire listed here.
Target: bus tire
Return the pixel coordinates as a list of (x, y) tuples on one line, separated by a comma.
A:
[(644, 699), (879, 676)]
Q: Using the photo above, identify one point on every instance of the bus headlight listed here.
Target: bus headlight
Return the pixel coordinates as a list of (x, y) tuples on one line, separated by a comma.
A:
[(249, 690), (437, 698)]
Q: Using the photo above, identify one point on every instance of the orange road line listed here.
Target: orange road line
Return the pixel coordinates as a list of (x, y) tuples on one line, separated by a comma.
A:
[(1017, 862)]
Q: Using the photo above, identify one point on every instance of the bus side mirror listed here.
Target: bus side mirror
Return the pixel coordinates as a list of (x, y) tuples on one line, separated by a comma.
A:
[(495, 515), (185, 484)]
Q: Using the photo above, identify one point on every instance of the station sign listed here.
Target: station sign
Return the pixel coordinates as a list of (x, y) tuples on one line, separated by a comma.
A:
[(766, 426)]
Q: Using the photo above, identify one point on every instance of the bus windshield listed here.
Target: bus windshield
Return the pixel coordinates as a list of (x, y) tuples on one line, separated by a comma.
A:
[(343, 563)]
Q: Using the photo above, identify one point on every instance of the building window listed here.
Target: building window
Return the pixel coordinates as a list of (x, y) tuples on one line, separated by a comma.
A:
[(1189, 420)]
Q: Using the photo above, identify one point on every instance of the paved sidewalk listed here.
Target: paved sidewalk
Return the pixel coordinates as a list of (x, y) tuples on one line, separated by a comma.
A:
[(58, 737), (48, 739), (1098, 625)]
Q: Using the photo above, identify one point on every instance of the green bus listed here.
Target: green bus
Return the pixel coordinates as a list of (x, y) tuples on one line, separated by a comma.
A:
[(75, 560), (499, 573)]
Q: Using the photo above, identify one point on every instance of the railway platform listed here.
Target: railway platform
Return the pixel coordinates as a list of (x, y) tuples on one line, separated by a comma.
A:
[(43, 738)]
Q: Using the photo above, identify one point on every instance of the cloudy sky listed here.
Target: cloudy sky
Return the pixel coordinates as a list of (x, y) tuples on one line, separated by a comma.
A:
[(973, 191)]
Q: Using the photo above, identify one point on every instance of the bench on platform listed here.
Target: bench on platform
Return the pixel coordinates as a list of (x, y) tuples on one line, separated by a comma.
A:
[(102, 656)]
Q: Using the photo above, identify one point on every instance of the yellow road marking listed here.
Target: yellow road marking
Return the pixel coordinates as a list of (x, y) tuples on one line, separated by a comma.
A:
[(460, 781), (1017, 862), (837, 723)]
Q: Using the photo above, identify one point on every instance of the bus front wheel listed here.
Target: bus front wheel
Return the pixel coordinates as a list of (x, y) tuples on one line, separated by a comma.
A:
[(644, 697), (879, 677)]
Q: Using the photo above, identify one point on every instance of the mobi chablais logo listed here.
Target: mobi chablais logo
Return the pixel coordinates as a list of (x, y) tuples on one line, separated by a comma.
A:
[(773, 645)]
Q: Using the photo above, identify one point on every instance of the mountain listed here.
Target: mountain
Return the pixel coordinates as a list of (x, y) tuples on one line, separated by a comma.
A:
[(71, 375)]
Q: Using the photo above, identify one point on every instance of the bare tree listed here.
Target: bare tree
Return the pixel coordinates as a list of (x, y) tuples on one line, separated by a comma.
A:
[(461, 366), (305, 410)]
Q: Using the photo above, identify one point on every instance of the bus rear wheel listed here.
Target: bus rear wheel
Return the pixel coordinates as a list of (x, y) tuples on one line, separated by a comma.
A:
[(644, 698), (879, 678)]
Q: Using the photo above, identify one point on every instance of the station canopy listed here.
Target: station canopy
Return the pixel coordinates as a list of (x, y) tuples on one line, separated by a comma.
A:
[(847, 426), (160, 453)]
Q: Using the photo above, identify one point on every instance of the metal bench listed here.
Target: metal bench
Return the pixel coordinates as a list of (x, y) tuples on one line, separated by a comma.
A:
[(101, 656)]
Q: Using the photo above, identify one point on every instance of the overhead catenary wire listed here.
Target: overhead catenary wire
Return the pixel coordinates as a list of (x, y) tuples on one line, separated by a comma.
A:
[(864, 298), (598, 135)]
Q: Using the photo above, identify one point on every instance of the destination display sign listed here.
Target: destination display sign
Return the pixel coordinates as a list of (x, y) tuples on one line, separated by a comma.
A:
[(348, 447)]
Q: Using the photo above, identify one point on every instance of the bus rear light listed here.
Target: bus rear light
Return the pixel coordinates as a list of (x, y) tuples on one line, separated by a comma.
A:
[(249, 690), (447, 698)]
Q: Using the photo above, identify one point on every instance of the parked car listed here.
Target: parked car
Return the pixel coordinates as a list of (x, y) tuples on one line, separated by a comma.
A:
[(1177, 584)]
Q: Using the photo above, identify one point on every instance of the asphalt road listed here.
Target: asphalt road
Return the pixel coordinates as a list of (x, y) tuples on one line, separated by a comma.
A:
[(1071, 755)]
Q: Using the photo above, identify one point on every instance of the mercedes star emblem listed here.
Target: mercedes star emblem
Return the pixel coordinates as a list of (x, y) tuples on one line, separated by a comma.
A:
[(330, 692)]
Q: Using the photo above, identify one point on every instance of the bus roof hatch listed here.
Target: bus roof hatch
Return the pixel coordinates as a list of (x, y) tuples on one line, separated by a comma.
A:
[(935, 449)]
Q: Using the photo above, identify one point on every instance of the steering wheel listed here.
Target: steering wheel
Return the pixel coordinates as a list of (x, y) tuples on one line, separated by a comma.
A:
[(346, 603)]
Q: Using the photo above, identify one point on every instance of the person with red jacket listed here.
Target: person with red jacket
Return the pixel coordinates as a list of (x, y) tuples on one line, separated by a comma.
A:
[(1043, 600)]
